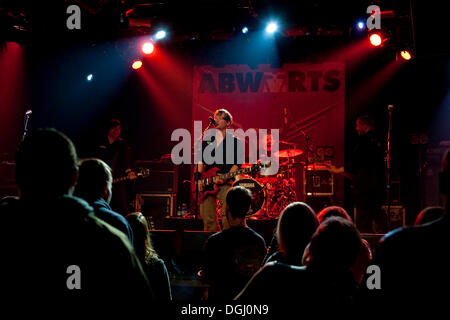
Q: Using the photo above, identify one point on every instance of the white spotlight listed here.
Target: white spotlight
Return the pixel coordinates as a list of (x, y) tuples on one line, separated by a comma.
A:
[(271, 27), (160, 34)]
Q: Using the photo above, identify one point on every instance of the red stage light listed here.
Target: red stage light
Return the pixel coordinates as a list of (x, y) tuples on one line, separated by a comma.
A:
[(375, 39), (136, 64), (148, 47), (405, 55)]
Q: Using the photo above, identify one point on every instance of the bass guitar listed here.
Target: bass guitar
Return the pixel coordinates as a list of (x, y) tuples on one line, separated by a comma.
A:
[(208, 178), (333, 169)]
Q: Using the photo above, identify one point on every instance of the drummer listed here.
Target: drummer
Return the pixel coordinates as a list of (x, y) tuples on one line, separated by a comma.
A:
[(268, 158), (266, 146)]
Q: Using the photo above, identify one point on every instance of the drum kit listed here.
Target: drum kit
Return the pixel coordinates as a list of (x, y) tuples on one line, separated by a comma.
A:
[(271, 194)]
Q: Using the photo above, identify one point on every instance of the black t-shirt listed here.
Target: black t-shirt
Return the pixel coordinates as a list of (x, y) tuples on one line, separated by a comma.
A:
[(232, 256), (117, 155), (226, 165), (367, 164)]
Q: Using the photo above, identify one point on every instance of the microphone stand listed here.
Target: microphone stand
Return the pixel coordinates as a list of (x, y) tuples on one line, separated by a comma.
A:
[(196, 173), (388, 168), (307, 167), (25, 127)]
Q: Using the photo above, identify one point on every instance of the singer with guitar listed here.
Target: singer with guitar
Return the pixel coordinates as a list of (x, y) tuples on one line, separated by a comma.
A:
[(222, 120)]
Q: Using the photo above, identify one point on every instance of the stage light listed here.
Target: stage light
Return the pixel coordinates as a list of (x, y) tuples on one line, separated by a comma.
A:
[(90, 77), (148, 47), (244, 30), (375, 39), (161, 34), (271, 28), (136, 64), (406, 55), (360, 25)]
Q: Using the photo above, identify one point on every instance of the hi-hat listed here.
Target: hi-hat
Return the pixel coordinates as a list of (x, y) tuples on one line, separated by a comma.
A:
[(289, 153)]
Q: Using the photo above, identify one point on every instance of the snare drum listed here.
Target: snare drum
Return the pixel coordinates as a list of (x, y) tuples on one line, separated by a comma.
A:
[(257, 190)]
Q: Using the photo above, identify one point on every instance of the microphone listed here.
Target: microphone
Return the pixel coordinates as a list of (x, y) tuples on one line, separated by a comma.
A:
[(212, 121), (28, 112), (390, 107)]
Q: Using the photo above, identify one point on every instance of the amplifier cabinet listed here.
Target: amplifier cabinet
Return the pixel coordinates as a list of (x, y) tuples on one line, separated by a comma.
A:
[(318, 181), (163, 177), (155, 207)]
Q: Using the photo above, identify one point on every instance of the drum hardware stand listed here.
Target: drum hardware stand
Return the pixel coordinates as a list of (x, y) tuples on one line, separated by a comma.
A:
[(266, 204)]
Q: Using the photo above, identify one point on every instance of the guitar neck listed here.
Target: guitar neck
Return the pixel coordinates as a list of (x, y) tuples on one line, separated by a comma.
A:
[(230, 175), (122, 179), (347, 175)]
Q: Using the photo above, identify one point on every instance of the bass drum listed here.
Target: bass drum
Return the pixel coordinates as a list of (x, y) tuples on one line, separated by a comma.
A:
[(258, 196)]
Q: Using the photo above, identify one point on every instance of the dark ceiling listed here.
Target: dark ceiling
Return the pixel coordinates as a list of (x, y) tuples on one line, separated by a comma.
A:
[(24, 20)]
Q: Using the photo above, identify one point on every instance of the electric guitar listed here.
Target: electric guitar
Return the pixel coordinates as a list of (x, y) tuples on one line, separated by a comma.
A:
[(143, 173), (333, 169), (208, 179)]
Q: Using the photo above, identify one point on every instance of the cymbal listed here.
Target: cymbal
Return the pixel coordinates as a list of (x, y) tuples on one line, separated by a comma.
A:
[(289, 153)]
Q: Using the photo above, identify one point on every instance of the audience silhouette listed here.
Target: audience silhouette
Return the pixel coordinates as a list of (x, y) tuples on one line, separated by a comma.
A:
[(296, 224), (325, 278), (56, 254), (154, 267), (95, 186), (233, 255), (414, 263)]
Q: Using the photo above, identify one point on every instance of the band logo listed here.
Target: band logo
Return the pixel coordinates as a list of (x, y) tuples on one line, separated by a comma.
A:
[(271, 82)]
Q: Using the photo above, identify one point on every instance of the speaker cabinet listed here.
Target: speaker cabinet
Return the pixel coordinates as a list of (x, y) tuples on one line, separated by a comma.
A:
[(317, 181), (163, 177), (155, 207)]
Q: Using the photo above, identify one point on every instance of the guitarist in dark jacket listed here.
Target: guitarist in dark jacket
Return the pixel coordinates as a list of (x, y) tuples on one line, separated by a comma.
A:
[(116, 152), (366, 171), (223, 119)]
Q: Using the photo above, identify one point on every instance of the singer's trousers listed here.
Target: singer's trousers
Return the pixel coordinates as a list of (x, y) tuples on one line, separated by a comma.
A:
[(208, 210)]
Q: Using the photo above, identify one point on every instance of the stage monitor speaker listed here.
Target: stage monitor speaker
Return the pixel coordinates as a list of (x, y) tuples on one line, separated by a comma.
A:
[(155, 207), (163, 177)]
